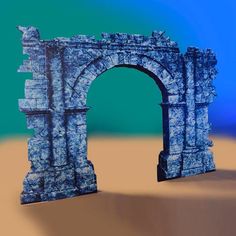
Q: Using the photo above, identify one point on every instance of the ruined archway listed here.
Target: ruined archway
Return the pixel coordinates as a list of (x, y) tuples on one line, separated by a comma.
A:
[(55, 104)]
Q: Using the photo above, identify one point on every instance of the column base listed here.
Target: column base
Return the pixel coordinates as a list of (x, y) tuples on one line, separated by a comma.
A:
[(191, 162), (40, 197), (197, 162), (169, 166), (58, 183), (195, 171), (163, 175)]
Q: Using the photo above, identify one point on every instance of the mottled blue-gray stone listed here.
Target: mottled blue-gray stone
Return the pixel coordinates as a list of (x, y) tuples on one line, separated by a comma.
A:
[(55, 105)]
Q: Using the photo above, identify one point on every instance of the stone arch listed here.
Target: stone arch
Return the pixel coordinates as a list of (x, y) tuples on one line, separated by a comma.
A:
[(172, 106), (55, 106), (144, 63)]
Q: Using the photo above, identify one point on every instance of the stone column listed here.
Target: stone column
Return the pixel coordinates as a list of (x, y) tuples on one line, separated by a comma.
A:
[(56, 104), (77, 143), (192, 163), (202, 126), (59, 178), (190, 139), (205, 92), (202, 140), (173, 138), (77, 135)]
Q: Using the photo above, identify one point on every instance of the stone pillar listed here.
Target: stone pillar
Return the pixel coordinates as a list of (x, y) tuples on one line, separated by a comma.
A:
[(173, 139), (77, 146), (205, 93), (192, 162), (56, 103), (58, 179), (190, 139), (202, 126), (77, 135), (202, 141)]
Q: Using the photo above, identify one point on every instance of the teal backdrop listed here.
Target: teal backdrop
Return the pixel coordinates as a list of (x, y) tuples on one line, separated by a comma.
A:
[(124, 101)]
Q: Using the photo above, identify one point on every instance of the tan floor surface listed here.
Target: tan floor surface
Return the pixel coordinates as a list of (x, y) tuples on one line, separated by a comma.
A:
[(130, 201)]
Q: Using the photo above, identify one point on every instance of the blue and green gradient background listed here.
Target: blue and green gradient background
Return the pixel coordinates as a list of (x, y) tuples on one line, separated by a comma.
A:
[(124, 101)]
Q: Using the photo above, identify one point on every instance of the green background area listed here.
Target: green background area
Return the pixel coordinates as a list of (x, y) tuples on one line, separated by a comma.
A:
[(123, 101)]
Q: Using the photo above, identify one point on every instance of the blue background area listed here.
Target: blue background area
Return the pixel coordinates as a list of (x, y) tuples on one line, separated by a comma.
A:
[(204, 24)]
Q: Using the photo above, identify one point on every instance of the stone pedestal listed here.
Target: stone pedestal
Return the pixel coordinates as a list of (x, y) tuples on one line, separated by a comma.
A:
[(59, 183)]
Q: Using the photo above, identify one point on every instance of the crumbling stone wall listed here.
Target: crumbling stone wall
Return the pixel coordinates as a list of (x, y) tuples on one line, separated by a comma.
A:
[(55, 106)]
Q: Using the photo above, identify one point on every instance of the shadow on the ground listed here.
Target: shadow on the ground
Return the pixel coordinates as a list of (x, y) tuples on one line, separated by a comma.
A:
[(219, 182), (111, 214), (218, 175)]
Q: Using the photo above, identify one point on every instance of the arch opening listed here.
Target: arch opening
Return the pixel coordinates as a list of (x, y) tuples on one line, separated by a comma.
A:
[(124, 102), (112, 116)]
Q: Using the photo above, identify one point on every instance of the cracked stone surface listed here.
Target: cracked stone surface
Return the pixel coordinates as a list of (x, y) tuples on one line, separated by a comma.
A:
[(55, 106)]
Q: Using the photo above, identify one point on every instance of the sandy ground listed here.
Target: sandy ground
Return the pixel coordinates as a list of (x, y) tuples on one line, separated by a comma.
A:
[(130, 201)]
